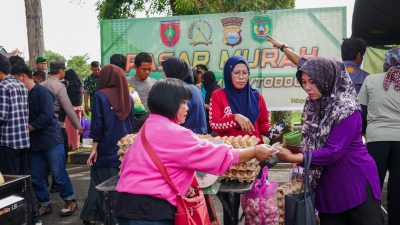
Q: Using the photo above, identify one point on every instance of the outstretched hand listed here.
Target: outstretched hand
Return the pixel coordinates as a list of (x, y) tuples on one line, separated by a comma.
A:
[(286, 155), (275, 43), (263, 152)]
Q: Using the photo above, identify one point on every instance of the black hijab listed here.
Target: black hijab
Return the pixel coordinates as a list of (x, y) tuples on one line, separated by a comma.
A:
[(175, 67), (210, 84), (74, 87)]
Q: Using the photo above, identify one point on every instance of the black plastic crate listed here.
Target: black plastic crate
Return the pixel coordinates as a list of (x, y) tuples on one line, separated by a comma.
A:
[(18, 190)]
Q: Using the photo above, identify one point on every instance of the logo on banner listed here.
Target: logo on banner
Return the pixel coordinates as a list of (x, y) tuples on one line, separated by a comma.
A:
[(260, 27), (170, 32), (200, 32), (232, 29)]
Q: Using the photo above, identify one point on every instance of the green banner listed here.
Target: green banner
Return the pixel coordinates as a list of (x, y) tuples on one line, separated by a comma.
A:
[(374, 58), (212, 39)]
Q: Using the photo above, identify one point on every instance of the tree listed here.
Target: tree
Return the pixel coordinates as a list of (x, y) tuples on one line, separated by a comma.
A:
[(53, 57), (118, 9), (80, 65), (34, 24)]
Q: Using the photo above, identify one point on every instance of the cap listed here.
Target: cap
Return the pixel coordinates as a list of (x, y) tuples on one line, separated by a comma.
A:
[(40, 59), (55, 67)]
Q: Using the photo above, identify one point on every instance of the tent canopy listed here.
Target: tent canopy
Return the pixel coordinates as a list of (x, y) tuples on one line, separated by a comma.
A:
[(377, 21)]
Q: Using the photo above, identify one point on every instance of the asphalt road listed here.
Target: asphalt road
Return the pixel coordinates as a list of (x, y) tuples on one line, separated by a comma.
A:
[(80, 179)]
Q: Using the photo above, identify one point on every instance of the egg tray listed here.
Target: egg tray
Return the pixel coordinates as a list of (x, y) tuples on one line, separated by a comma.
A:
[(246, 166), (243, 172), (241, 175), (239, 141), (124, 144)]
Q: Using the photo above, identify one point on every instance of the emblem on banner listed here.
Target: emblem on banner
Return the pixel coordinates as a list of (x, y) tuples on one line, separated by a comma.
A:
[(260, 27), (200, 32), (232, 29), (170, 32)]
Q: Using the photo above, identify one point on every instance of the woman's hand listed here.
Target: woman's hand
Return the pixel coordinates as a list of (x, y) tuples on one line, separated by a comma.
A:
[(244, 123), (92, 158), (93, 154), (275, 43), (285, 155), (263, 152)]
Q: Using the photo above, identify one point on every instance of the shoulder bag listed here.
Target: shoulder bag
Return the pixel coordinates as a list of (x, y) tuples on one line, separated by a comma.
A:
[(189, 211), (300, 208)]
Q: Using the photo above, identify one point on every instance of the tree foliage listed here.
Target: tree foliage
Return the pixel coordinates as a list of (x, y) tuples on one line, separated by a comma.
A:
[(53, 57), (80, 65), (118, 9)]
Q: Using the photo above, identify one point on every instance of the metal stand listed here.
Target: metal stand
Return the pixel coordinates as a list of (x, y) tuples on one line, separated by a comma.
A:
[(231, 187), (106, 188)]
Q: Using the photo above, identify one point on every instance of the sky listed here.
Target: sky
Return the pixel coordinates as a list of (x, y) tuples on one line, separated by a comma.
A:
[(71, 27)]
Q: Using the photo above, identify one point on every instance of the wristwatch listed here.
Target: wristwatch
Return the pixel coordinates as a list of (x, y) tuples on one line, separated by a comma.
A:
[(283, 46)]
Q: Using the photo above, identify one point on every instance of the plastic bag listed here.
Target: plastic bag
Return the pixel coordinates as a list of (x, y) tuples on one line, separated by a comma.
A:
[(259, 205), (139, 107)]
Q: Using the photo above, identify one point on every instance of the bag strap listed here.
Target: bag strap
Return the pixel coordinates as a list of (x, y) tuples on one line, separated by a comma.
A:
[(307, 163), (156, 160)]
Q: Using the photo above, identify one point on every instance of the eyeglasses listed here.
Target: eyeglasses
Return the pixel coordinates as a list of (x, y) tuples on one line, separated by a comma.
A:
[(244, 73)]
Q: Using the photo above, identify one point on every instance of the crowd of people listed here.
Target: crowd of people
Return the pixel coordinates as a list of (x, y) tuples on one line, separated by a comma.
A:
[(41, 119)]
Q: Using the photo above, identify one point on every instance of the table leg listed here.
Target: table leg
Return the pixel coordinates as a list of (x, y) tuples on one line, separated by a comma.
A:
[(108, 220), (228, 203), (232, 204)]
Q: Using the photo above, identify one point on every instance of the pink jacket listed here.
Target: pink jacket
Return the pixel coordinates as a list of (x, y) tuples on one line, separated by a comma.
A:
[(181, 152)]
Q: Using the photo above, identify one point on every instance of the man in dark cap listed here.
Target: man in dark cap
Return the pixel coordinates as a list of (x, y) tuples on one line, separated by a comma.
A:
[(41, 64), (62, 104)]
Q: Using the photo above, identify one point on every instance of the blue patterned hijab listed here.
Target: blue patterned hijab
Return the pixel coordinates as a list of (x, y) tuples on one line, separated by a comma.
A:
[(243, 101)]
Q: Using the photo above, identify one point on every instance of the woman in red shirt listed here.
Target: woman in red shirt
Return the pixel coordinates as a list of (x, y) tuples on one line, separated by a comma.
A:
[(238, 109)]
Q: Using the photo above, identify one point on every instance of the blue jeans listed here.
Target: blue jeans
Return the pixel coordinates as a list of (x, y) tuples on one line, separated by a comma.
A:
[(122, 221), (55, 159)]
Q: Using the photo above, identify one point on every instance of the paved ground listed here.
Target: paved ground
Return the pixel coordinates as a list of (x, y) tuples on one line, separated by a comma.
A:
[(80, 178)]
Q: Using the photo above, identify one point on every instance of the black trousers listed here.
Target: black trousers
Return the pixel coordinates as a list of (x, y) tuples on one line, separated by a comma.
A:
[(13, 161), (387, 158), (65, 139), (368, 213)]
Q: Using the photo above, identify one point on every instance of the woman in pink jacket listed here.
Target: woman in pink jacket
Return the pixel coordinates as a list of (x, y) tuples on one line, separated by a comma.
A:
[(144, 197)]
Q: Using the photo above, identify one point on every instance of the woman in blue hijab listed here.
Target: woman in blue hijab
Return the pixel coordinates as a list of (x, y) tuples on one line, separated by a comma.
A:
[(238, 109)]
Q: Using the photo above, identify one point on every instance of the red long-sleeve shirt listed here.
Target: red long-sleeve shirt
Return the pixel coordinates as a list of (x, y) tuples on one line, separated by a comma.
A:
[(222, 121)]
